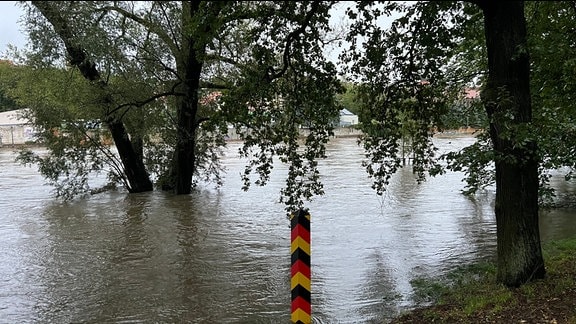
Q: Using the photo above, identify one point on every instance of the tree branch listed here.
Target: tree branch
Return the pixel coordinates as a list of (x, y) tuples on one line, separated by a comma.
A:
[(77, 55), (148, 24), (271, 74)]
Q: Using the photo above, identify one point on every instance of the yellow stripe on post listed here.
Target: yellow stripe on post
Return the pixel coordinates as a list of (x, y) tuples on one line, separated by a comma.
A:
[(300, 316), (300, 279), (300, 243), (300, 284)]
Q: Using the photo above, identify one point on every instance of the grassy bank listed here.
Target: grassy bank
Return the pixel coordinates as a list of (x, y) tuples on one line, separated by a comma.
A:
[(471, 295)]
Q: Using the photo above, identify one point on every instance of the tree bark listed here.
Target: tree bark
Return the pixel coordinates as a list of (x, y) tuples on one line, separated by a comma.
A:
[(506, 97), (185, 152), (134, 168), (190, 64)]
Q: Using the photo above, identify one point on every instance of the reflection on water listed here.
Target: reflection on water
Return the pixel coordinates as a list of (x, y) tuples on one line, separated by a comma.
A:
[(222, 256)]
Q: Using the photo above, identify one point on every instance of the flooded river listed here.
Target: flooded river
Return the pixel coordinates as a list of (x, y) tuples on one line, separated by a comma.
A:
[(222, 256)]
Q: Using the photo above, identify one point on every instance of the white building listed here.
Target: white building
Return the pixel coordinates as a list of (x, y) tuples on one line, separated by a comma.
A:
[(347, 118), (15, 129)]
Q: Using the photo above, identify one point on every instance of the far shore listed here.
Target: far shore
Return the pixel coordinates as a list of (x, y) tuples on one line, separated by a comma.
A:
[(338, 133)]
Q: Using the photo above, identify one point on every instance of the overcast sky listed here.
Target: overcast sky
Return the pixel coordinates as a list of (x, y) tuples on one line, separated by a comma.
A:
[(10, 29)]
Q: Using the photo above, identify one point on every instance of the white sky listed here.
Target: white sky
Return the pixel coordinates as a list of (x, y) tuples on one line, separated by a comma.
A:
[(10, 28), (11, 31)]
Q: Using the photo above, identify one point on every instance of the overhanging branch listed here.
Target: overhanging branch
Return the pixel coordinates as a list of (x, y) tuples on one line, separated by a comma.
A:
[(271, 74)]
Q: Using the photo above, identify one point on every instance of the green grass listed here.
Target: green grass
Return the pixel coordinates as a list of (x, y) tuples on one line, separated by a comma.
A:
[(472, 290)]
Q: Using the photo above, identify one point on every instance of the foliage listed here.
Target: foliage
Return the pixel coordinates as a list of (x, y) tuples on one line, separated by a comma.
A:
[(461, 65), (552, 89), (74, 135), (265, 59), (466, 112), (476, 161), (552, 52), (470, 293), (7, 103), (404, 89), (277, 99)]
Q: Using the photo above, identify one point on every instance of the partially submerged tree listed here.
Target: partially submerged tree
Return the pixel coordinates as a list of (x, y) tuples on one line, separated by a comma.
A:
[(404, 70), (67, 117), (65, 23), (154, 61)]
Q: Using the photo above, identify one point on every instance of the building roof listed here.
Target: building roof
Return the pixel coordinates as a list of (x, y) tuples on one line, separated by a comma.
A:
[(471, 93), (346, 112)]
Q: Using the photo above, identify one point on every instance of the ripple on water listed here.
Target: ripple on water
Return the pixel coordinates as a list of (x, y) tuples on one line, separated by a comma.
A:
[(222, 256)]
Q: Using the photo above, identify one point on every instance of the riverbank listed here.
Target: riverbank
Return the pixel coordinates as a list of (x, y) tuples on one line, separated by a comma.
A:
[(18, 147), (232, 136), (471, 295)]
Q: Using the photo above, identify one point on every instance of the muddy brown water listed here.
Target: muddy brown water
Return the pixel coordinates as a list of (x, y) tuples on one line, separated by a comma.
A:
[(222, 256)]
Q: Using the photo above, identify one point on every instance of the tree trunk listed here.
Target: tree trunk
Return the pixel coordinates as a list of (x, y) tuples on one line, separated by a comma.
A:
[(134, 168), (506, 97), (184, 159), (184, 153)]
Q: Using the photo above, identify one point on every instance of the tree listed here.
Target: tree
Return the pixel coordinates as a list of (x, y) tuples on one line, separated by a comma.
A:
[(74, 135), (507, 100), (551, 88), (264, 58), (406, 80), (137, 178)]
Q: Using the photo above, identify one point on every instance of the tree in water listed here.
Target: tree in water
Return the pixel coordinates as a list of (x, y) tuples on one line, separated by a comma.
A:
[(111, 100), (406, 80), (265, 60)]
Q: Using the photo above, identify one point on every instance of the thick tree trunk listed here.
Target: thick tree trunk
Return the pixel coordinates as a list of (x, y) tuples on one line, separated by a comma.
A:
[(189, 64), (507, 100), (198, 22), (184, 153)]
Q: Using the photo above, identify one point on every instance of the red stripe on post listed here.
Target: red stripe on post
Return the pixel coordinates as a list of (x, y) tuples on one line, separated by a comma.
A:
[(300, 266), (301, 303), (300, 231)]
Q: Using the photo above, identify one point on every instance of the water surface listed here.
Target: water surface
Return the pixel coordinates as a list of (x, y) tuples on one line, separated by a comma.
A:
[(222, 256)]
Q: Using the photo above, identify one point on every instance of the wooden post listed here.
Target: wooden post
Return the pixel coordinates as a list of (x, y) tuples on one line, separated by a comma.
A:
[(300, 270)]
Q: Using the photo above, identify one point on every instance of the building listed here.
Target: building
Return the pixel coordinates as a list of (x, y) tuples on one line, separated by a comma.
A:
[(347, 118), (15, 129)]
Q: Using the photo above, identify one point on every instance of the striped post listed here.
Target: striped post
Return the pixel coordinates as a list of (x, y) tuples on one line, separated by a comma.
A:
[(300, 271)]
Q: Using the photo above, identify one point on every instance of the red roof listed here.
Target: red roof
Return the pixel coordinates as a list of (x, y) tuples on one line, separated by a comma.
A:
[(471, 93)]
